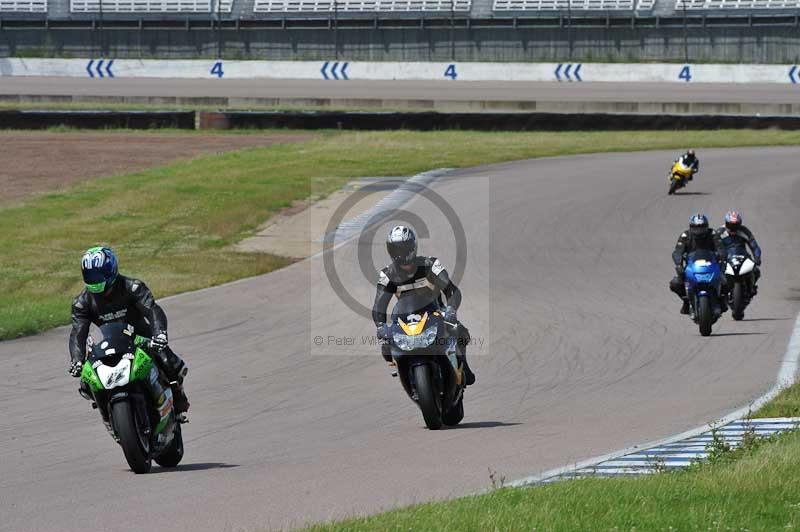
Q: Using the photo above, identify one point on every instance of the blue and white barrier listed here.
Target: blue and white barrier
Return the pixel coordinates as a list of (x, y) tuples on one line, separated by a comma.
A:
[(343, 71)]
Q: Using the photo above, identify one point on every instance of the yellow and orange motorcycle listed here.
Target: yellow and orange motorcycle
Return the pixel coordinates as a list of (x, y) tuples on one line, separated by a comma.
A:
[(678, 176)]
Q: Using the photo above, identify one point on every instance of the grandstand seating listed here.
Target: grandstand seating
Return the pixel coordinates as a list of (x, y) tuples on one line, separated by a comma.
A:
[(311, 6), (150, 6), (737, 4), (23, 6), (578, 5)]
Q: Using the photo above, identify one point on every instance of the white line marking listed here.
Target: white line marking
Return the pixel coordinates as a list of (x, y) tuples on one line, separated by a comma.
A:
[(786, 376)]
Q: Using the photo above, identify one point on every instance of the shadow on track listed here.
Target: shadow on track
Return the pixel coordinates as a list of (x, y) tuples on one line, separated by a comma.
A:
[(740, 334), (199, 466), (691, 193), (767, 319), (483, 425)]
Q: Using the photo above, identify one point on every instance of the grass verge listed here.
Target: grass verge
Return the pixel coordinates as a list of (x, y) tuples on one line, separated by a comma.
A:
[(174, 226)]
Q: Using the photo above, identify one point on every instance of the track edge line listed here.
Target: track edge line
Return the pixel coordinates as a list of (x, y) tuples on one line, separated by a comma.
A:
[(786, 376)]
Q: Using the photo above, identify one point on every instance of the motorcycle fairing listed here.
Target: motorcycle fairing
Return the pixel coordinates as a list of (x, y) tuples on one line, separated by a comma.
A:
[(739, 265)]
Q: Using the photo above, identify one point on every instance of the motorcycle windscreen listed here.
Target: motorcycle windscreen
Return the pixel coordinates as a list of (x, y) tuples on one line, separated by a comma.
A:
[(114, 341), (417, 302), (701, 259)]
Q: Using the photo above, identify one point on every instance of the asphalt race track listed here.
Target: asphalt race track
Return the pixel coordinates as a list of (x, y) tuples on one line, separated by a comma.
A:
[(585, 353), (404, 90)]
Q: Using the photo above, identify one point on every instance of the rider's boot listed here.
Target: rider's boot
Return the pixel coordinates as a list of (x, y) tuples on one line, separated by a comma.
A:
[(685, 307), (179, 400), (469, 377), (393, 368), (85, 392), (175, 369)]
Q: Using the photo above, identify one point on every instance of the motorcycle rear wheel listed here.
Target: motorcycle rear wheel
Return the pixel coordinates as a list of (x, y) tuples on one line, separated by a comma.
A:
[(137, 451), (704, 315), (426, 397), (737, 308)]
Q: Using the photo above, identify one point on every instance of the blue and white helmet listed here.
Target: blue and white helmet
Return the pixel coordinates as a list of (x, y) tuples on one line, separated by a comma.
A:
[(99, 268)]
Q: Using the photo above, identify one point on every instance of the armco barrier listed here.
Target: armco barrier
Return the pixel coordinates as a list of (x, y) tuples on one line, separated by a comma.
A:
[(489, 121), (97, 119), (426, 121)]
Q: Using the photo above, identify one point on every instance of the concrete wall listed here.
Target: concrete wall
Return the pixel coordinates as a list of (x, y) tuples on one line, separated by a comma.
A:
[(779, 44), (408, 71)]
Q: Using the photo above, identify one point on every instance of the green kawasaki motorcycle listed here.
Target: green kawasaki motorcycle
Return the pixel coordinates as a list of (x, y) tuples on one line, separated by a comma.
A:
[(133, 397)]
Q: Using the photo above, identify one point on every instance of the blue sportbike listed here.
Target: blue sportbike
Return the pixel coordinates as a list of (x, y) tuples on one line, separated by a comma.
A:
[(703, 277)]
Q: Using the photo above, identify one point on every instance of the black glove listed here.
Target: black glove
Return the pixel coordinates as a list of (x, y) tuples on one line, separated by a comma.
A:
[(758, 261), (450, 315), (75, 368), (159, 341), (382, 331)]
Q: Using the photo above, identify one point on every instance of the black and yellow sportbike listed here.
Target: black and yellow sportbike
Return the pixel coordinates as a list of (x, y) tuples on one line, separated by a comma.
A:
[(424, 346), (678, 176)]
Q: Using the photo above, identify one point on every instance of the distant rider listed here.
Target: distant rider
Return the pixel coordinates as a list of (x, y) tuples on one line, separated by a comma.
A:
[(698, 237), (410, 272), (736, 238), (690, 160), (110, 297)]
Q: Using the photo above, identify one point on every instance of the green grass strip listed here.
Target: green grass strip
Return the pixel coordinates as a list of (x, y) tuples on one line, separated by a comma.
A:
[(174, 226)]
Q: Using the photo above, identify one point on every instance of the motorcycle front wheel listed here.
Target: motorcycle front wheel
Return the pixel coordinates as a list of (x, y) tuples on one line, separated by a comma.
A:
[(134, 444), (704, 315), (427, 397), (673, 186), (455, 414)]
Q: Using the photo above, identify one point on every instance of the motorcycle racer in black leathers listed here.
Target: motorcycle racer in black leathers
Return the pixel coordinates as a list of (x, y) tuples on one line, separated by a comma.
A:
[(110, 297), (736, 238), (699, 236), (411, 272)]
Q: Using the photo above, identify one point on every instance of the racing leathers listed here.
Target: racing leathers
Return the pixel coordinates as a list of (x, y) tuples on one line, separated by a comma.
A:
[(128, 301), (429, 275), (688, 242), (737, 244)]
